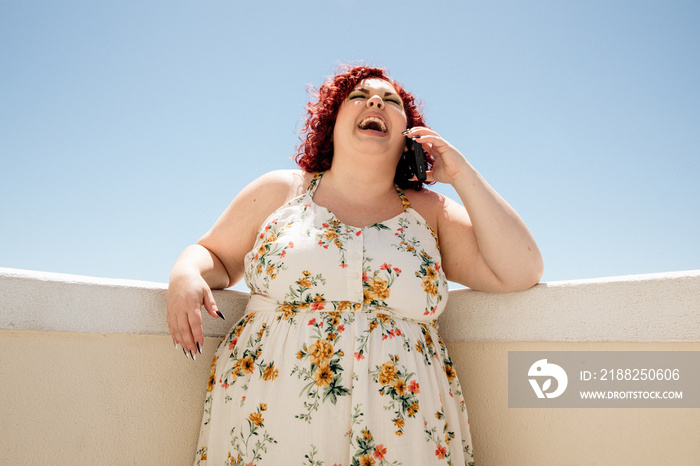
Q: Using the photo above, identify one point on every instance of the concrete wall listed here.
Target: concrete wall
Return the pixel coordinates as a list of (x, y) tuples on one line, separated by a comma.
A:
[(89, 375)]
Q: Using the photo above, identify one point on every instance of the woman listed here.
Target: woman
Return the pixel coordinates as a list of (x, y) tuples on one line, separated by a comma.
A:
[(338, 358)]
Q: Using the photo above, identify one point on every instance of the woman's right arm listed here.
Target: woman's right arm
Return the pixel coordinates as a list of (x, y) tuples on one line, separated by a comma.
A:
[(216, 261), (196, 272)]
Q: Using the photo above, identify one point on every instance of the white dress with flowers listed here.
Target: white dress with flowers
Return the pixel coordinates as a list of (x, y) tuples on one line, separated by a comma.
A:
[(337, 360)]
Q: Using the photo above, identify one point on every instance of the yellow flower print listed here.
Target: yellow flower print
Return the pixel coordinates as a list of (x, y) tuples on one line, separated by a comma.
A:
[(346, 305), (212, 375), (428, 338), (233, 460), (400, 386), (412, 410), (270, 270), (320, 352), (270, 373), (379, 288), (450, 372), (409, 248), (287, 311), (343, 305), (323, 375), (263, 406), (430, 287), (384, 318), (366, 434), (388, 373), (399, 423), (430, 273), (256, 418), (305, 282), (245, 365), (330, 235), (367, 460)]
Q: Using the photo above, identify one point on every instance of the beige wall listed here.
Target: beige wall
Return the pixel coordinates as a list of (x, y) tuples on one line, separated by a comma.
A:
[(602, 436), (104, 394)]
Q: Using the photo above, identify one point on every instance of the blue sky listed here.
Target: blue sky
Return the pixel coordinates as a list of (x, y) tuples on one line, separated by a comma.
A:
[(127, 127)]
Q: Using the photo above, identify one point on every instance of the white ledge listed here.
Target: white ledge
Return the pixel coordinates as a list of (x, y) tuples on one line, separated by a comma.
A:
[(661, 307)]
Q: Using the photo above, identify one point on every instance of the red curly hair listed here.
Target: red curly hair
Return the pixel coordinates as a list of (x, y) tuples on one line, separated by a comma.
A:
[(315, 153)]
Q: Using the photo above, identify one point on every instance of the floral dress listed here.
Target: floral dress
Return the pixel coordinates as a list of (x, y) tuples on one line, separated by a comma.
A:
[(337, 360)]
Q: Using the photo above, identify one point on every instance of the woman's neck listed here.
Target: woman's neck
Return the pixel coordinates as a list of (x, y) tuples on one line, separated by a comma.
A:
[(359, 183)]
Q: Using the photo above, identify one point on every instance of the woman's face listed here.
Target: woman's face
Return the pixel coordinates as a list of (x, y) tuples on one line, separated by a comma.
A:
[(372, 118)]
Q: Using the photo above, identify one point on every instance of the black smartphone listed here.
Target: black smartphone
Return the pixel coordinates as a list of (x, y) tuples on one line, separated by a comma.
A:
[(417, 158)]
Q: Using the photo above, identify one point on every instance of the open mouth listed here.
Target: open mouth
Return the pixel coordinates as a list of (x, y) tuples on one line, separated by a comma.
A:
[(373, 123)]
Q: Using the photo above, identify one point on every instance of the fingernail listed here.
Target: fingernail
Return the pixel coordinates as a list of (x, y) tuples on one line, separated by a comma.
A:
[(199, 348), (406, 132), (175, 343), (194, 358), (185, 351), (220, 314)]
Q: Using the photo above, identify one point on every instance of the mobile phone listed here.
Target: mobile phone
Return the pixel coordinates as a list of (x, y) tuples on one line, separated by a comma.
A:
[(417, 158)]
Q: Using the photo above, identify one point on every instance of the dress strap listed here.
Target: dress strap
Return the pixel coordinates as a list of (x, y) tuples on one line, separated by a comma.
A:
[(404, 200), (313, 184)]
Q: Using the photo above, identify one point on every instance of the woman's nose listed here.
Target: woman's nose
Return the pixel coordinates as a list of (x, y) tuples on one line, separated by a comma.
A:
[(375, 102)]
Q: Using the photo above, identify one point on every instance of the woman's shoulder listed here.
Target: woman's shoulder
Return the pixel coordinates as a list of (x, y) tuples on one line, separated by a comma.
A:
[(428, 203), (255, 202), (424, 195), (282, 178), (279, 186)]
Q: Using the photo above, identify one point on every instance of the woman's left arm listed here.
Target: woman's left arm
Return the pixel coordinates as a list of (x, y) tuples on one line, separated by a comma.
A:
[(484, 244)]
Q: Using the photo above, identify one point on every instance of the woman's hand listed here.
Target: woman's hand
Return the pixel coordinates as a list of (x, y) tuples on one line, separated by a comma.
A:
[(484, 243), (217, 260), (188, 291), (448, 163)]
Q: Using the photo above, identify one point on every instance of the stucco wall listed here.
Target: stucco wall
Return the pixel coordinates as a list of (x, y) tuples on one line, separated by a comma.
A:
[(88, 374)]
